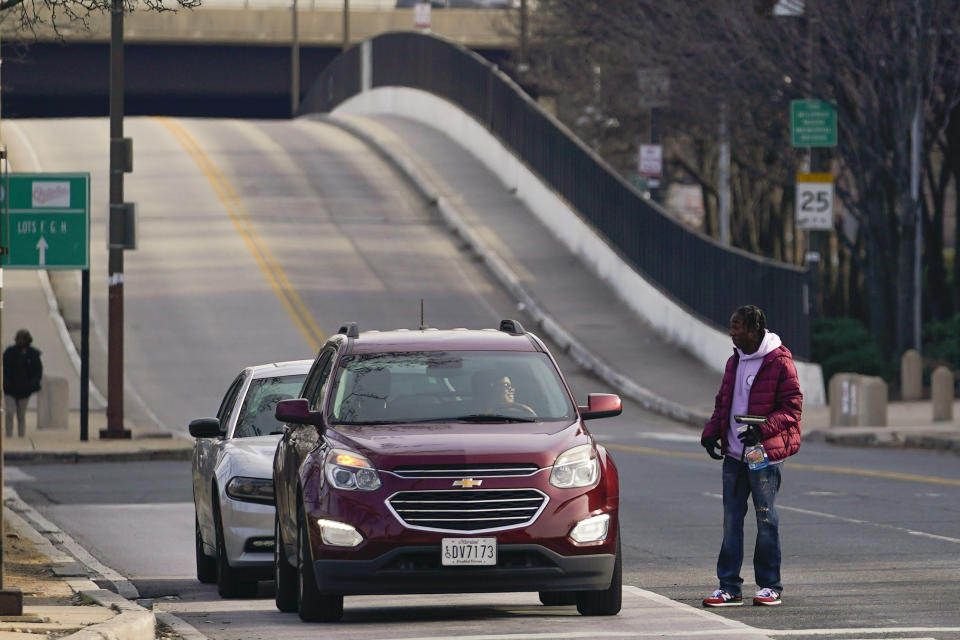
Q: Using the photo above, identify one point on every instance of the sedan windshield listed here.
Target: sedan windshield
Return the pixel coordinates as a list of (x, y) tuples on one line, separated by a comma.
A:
[(467, 386), (257, 412)]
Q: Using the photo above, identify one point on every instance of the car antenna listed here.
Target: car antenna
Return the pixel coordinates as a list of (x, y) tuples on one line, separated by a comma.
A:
[(423, 325)]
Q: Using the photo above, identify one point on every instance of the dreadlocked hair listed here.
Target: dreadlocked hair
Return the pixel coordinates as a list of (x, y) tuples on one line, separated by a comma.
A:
[(753, 318)]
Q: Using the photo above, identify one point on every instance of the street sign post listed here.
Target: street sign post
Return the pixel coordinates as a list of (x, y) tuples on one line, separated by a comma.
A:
[(813, 123), (814, 201), (46, 221)]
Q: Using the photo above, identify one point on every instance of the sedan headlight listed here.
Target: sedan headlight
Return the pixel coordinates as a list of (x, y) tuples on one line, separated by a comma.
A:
[(259, 490), (576, 467), (351, 471)]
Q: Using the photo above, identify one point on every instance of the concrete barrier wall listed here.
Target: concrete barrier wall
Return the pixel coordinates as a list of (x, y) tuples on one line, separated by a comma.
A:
[(707, 343)]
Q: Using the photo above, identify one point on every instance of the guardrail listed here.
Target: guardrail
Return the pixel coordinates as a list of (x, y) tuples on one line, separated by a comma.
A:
[(704, 277)]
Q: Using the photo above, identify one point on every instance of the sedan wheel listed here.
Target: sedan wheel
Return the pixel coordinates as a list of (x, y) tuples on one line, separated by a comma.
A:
[(206, 566), (284, 574), (229, 582), (313, 606)]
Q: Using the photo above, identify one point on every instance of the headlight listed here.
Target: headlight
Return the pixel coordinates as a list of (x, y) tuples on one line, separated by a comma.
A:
[(351, 471), (591, 530), (576, 467), (259, 490), (338, 534)]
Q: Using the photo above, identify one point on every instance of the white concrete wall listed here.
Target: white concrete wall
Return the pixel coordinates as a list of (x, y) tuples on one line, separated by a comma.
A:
[(710, 345)]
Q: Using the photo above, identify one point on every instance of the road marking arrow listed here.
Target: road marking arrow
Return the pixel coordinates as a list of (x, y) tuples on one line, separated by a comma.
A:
[(42, 248)]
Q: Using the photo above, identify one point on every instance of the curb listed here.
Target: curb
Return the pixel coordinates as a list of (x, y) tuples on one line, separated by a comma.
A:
[(132, 621), (509, 280)]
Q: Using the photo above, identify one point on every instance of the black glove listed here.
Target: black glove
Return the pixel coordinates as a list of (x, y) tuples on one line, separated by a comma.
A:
[(751, 435), (712, 445)]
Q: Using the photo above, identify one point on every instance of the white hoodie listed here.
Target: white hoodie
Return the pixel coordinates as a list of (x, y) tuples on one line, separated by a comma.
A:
[(740, 403)]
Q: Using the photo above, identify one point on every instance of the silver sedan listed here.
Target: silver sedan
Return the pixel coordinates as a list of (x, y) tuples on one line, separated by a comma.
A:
[(233, 478)]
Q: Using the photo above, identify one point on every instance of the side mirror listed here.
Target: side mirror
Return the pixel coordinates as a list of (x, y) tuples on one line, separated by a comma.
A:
[(205, 428), (296, 411), (601, 405)]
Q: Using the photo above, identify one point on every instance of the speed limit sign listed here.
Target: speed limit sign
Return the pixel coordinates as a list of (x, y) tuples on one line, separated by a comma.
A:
[(814, 202)]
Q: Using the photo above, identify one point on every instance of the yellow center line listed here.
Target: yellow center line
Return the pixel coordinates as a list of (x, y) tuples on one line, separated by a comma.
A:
[(268, 264), (868, 473)]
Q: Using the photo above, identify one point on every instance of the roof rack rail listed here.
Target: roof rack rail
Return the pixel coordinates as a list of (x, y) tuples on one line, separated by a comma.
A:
[(511, 326), (350, 329)]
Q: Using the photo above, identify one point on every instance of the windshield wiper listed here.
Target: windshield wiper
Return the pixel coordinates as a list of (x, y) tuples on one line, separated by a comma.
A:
[(492, 417)]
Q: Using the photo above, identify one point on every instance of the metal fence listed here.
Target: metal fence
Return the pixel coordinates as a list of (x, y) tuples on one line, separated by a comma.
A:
[(704, 277)]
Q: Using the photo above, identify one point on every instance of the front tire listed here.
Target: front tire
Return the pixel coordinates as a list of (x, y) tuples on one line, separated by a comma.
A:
[(312, 605), (206, 566), (230, 584), (284, 574), (606, 602)]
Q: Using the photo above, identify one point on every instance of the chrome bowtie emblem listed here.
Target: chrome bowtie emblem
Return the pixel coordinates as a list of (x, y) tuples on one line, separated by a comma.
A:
[(467, 483)]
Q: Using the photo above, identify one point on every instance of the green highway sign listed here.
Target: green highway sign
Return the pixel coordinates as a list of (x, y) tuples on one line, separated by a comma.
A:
[(46, 220), (813, 123)]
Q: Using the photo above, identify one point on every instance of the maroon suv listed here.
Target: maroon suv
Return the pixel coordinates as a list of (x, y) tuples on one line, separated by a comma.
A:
[(446, 461)]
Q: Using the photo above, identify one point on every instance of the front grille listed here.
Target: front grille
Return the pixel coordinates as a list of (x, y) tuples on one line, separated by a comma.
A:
[(494, 470), (467, 510)]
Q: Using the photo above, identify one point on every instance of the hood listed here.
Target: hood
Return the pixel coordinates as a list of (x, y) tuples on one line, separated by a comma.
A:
[(391, 446), (770, 342), (251, 457)]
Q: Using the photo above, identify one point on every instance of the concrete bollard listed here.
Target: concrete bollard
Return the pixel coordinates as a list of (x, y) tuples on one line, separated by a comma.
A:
[(857, 401), (844, 390), (52, 410), (941, 389), (873, 402), (911, 375)]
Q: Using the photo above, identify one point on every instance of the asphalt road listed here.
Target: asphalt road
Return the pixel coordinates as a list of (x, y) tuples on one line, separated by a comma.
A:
[(869, 539), (258, 238)]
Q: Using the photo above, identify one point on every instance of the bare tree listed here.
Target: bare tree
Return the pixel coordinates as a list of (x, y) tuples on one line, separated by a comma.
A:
[(876, 60), (27, 15)]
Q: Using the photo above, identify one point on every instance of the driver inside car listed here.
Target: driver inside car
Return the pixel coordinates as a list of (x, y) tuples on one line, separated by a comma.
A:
[(495, 394)]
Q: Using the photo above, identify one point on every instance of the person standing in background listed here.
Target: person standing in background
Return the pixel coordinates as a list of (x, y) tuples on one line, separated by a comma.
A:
[(22, 372)]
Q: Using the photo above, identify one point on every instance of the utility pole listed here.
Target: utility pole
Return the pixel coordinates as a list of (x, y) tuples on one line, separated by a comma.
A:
[(120, 223), (346, 24), (295, 65), (11, 600)]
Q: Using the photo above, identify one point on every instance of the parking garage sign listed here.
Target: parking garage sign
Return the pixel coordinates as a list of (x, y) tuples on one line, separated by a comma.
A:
[(46, 221)]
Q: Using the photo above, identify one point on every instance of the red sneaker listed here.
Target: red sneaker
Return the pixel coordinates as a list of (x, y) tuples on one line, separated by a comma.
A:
[(767, 597), (722, 598)]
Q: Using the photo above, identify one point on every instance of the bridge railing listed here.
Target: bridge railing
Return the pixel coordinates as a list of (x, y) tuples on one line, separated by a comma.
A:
[(703, 276)]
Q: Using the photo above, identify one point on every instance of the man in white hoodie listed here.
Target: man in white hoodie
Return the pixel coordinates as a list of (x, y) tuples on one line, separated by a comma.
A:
[(760, 379)]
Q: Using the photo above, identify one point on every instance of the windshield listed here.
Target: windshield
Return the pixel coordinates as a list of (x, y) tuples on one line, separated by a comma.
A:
[(473, 386), (256, 414)]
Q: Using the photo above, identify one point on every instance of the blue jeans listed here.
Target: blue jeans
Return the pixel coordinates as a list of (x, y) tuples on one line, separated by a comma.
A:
[(739, 483)]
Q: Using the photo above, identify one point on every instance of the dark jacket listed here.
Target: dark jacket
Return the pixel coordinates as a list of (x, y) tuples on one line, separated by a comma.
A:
[(775, 394), (22, 371)]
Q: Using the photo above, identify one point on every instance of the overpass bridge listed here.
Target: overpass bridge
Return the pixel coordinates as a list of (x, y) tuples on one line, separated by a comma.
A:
[(229, 58)]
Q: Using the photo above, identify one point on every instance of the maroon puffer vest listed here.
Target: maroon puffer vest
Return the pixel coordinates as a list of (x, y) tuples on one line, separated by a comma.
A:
[(775, 393)]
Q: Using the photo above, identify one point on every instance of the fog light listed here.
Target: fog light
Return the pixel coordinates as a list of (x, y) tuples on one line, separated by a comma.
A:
[(591, 530), (338, 534)]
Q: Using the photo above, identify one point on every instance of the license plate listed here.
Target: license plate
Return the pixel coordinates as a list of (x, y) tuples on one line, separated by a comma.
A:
[(468, 551)]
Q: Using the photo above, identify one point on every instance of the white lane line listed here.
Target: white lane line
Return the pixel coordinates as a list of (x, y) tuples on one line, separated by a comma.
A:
[(879, 525)]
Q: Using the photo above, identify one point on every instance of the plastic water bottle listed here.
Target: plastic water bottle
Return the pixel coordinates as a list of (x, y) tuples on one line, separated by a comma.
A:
[(755, 456)]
